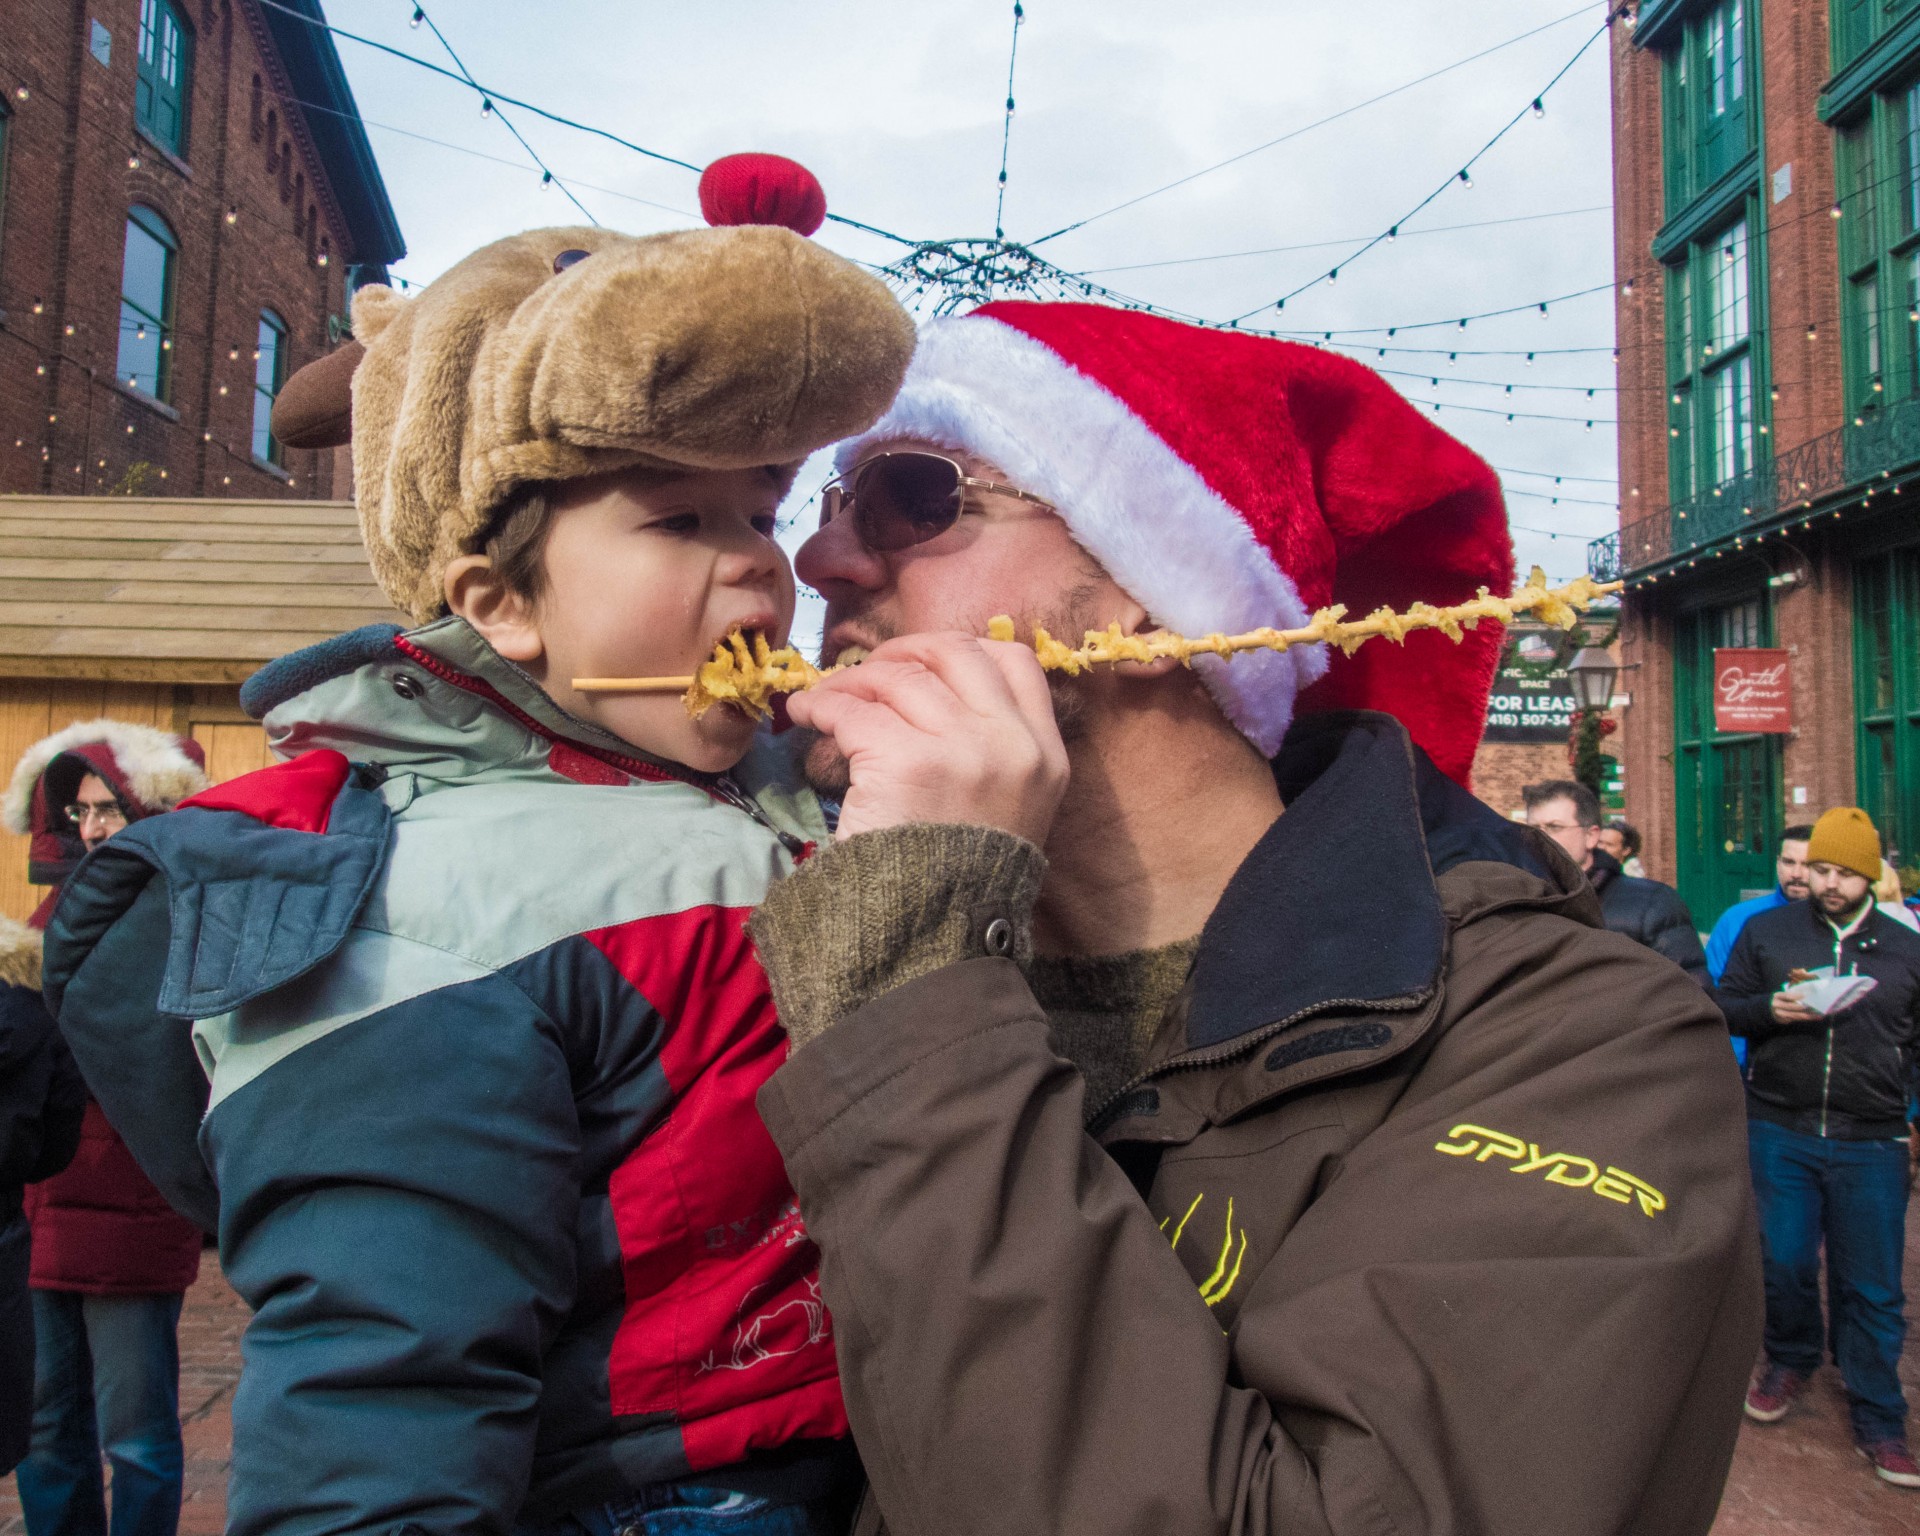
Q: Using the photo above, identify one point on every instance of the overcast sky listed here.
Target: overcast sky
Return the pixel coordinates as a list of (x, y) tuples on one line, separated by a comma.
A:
[(899, 109)]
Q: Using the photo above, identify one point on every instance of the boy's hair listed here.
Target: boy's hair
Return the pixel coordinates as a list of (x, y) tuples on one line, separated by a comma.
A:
[(515, 542), (1586, 805), (1799, 832)]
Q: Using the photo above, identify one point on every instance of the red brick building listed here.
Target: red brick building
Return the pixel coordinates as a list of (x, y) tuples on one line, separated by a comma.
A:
[(1767, 223), (187, 200)]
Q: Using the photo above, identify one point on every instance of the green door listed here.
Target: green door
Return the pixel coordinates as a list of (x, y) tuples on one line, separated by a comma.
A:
[(1728, 792), (1886, 685)]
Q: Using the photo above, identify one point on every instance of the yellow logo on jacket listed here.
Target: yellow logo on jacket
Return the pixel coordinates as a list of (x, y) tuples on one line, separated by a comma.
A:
[(1226, 1269), (1615, 1184)]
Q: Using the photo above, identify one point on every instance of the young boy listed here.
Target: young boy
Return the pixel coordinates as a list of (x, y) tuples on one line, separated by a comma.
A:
[(470, 976)]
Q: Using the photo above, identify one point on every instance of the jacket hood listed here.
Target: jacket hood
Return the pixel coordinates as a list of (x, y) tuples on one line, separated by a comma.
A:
[(149, 770), (19, 955)]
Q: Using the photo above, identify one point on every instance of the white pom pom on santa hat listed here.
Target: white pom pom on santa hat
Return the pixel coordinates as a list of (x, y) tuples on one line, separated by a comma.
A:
[(1230, 482)]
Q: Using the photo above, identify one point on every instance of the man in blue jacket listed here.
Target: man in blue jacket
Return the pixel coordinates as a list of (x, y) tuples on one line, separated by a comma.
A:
[(1790, 875)]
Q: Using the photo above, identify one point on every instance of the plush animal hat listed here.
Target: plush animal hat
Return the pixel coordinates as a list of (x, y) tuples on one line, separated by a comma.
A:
[(1230, 482), (567, 352)]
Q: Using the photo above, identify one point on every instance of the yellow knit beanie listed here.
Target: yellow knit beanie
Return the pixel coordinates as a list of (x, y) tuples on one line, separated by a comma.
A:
[(1844, 836)]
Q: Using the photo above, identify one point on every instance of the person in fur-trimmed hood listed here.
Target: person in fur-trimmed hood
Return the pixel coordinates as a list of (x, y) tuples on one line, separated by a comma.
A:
[(111, 1259), (469, 971)]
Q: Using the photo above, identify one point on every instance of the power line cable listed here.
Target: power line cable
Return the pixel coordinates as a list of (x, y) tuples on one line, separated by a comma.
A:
[(1320, 245), (1536, 107), (489, 109), (1309, 127), (487, 92), (1006, 132)]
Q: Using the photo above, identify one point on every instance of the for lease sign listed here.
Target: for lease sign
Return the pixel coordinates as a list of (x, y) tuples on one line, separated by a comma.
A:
[(1532, 697), (1751, 691)]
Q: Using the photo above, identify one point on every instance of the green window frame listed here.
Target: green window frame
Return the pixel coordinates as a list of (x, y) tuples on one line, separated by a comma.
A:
[(1886, 687), (163, 80), (1717, 384), (269, 373), (1728, 787), (1859, 24), (1879, 175), (1709, 88), (146, 304)]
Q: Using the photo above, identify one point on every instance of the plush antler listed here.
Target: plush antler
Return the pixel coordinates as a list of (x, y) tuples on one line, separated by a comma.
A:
[(746, 672)]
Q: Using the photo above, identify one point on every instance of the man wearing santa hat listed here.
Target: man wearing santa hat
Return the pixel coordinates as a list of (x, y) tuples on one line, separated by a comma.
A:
[(1211, 1116)]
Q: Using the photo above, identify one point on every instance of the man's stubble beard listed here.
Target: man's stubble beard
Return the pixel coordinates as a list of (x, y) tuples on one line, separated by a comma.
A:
[(825, 765)]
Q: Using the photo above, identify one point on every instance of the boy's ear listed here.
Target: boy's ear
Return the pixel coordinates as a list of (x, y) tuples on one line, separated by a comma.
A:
[(503, 618)]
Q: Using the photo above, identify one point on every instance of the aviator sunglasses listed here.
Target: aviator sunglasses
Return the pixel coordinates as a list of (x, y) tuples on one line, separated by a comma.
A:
[(898, 500)]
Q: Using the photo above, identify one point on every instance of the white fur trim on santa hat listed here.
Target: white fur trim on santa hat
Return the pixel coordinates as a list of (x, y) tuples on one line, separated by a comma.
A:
[(1187, 556), (159, 774)]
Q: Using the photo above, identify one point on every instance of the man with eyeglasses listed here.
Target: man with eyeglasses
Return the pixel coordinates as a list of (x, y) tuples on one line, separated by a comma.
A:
[(1646, 911), (111, 1261), (1213, 1119)]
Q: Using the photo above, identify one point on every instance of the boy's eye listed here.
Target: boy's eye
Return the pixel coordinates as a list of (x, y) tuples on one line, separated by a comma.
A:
[(766, 525), (680, 522)]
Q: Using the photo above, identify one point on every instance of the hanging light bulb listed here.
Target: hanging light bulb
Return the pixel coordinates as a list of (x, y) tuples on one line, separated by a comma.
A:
[(133, 162), (1333, 277), (1836, 210), (418, 17), (233, 215), (1393, 234), (1466, 181), (486, 106), (1539, 107), (546, 180), (233, 354), (37, 305)]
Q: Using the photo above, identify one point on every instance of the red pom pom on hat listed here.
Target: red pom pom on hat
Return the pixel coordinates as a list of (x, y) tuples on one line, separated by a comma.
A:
[(762, 189)]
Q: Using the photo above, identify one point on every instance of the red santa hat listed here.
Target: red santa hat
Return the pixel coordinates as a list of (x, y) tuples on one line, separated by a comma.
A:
[(1229, 482)]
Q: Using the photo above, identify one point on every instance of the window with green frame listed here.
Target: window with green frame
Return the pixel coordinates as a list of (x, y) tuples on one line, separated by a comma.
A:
[(1715, 368), (146, 304), (1728, 786), (1880, 250), (1859, 24), (1886, 688), (269, 373), (1708, 97), (164, 75)]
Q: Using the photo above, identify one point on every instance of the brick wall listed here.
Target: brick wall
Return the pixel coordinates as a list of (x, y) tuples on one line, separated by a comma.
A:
[(1812, 619), (1501, 768), (252, 214)]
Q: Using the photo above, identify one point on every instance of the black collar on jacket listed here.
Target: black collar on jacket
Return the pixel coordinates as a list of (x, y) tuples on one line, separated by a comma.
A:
[(1336, 904)]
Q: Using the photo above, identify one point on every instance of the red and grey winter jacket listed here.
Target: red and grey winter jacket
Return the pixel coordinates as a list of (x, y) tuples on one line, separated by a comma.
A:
[(484, 1030), (100, 1227)]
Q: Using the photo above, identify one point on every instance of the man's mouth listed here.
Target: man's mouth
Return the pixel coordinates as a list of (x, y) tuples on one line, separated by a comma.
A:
[(844, 646)]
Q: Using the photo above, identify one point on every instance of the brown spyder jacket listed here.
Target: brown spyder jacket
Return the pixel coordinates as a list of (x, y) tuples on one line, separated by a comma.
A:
[(1430, 1213)]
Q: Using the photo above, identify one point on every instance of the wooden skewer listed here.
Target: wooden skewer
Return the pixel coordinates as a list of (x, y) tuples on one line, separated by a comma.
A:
[(746, 672)]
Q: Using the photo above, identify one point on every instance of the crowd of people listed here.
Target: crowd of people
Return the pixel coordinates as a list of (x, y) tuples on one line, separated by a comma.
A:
[(1162, 1099), (1833, 1097)]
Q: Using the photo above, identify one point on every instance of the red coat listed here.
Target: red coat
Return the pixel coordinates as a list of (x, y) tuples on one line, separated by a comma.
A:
[(102, 1228)]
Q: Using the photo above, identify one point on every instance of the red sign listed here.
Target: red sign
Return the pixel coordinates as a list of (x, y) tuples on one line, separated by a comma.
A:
[(1751, 692)]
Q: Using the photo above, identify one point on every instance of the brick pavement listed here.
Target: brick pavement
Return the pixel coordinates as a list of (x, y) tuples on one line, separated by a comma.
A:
[(1800, 1477)]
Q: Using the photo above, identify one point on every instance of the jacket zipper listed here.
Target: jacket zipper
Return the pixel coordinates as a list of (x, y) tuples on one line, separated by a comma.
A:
[(1826, 1076)]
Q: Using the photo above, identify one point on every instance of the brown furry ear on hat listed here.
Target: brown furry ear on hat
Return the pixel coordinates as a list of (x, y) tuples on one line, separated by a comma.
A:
[(702, 349), (314, 408)]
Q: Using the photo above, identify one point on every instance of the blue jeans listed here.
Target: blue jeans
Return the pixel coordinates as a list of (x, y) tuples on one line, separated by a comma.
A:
[(679, 1509), (1854, 1194), (106, 1377)]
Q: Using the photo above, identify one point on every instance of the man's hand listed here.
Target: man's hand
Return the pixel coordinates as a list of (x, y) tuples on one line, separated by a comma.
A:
[(1790, 1010), (943, 728)]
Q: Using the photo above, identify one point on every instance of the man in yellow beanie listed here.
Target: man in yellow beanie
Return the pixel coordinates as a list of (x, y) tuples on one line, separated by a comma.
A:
[(1827, 1132)]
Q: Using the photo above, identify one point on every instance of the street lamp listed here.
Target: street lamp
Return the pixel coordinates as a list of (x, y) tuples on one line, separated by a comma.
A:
[(1593, 672)]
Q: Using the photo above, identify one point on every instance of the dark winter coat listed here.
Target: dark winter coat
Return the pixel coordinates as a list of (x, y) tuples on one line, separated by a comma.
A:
[(41, 1098), (1649, 913), (484, 1030), (1845, 1076), (99, 1226), (1429, 1213)]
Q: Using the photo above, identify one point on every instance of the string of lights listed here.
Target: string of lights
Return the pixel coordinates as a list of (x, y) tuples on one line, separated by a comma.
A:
[(1307, 128), (1322, 245), (1006, 131), (1463, 177), (497, 97), (1542, 306), (547, 179)]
